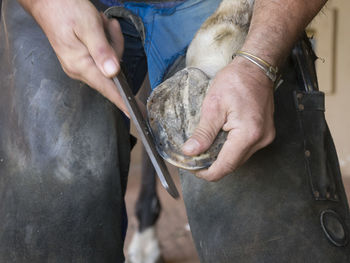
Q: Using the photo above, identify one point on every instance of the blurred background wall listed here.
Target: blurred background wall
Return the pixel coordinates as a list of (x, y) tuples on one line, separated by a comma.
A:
[(331, 31)]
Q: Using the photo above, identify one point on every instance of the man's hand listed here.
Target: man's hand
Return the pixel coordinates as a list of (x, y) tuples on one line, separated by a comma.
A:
[(239, 101), (76, 31), (241, 98)]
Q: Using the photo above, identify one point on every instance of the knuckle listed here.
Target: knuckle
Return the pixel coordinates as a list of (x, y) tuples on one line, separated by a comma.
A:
[(115, 24), (204, 134), (224, 169), (228, 168), (255, 135), (101, 51), (71, 70), (86, 62), (76, 67), (269, 137)]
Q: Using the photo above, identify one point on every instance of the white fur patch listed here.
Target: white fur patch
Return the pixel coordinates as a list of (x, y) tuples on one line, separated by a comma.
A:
[(208, 51), (144, 247)]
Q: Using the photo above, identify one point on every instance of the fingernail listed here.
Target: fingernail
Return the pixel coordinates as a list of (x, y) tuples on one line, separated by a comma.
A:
[(110, 67), (190, 146)]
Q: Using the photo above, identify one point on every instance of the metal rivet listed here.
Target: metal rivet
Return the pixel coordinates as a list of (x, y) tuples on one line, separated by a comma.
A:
[(307, 153), (301, 107), (317, 194), (299, 96)]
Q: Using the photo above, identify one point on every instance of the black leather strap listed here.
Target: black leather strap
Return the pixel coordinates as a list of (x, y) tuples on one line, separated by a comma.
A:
[(304, 60)]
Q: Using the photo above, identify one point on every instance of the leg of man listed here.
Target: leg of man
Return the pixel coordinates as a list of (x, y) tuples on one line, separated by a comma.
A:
[(286, 204), (63, 156)]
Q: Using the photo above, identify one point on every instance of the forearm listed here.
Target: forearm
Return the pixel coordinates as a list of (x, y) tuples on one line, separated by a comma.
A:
[(276, 25)]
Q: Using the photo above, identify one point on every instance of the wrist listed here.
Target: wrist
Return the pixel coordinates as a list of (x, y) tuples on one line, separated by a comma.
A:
[(270, 71), (266, 52), (249, 72)]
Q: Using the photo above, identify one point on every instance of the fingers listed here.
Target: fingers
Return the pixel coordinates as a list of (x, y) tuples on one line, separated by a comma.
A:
[(113, 29), (237, 149), (96, 60), (211, 121), (95, 79), (94, 38), (233, 150), (77, 35), (80, 65), (243, 107)]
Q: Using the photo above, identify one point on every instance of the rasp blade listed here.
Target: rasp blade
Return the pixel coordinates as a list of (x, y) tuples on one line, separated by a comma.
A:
[(146, 136)]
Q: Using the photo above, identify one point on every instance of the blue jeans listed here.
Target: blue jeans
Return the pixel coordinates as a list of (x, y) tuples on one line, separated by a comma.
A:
[(169, 29)]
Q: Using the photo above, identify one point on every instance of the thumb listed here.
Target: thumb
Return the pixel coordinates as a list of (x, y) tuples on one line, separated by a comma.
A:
[(210, 124)]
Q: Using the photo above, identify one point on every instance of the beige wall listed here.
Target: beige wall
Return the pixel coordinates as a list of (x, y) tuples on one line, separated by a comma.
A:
[(332, 35)]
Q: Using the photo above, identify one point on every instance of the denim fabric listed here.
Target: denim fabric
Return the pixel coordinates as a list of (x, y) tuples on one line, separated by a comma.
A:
[(169, 30), (134, 57)]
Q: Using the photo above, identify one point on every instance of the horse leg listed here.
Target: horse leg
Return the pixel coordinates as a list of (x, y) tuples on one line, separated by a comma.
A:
[(144, 246)]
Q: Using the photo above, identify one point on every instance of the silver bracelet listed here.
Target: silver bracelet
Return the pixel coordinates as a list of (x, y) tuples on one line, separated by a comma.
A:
[(270, 71)]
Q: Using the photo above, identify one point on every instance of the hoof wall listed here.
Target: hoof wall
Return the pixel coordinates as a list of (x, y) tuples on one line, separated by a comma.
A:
[(174, 113)]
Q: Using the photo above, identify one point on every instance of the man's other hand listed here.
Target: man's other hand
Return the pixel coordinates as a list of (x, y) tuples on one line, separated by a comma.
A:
[(239, 101)]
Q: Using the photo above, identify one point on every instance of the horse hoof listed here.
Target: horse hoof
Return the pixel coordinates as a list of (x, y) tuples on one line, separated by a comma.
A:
[(173, 114)]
